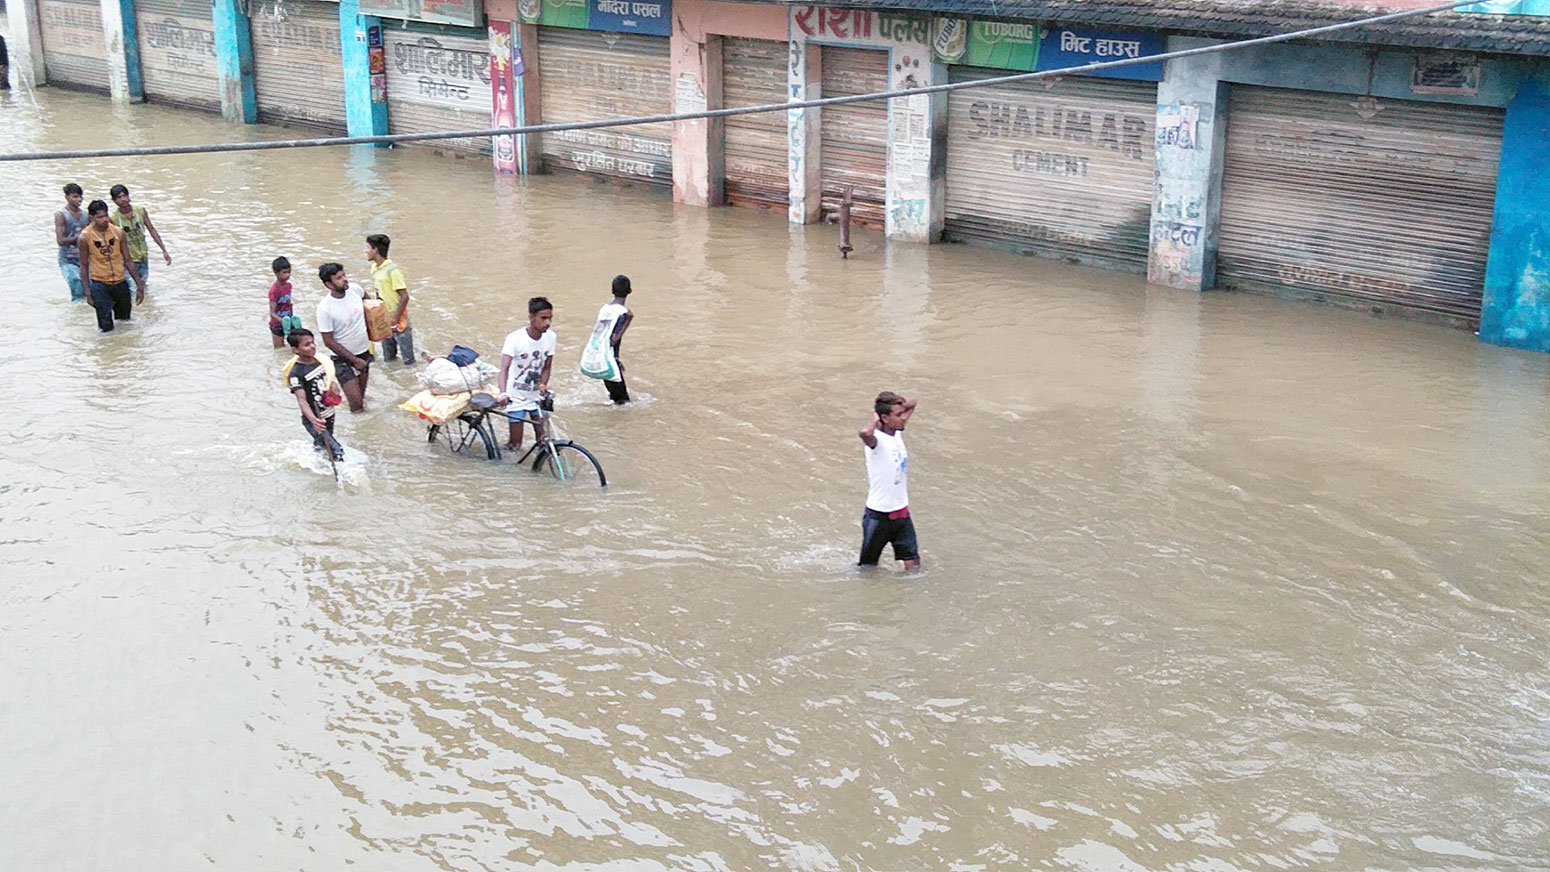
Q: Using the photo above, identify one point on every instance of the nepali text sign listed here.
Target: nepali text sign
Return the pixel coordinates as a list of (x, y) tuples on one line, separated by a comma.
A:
[(467, 13), (1064, 47), (652, 17)]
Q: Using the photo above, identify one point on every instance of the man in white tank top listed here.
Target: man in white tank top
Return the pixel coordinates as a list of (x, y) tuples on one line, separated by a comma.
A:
[(886, 520)]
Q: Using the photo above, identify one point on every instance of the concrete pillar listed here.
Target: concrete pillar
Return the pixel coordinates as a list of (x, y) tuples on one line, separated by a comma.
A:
[(365, 107), (804, 82), (1516, 308), (123, 44), (699, 163), (917, 139), (25, 43), (1187, 204), (530, 158), (233, 36)]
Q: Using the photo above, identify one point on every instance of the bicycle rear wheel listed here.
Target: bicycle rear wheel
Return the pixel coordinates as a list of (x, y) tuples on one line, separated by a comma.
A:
[(470, 438), (570, 463)]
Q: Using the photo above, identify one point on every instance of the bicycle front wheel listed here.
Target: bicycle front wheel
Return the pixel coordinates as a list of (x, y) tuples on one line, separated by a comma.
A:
[(470, 438), (570, 463)]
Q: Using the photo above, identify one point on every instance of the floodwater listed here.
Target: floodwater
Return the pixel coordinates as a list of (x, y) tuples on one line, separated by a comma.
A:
[(1212, 582)]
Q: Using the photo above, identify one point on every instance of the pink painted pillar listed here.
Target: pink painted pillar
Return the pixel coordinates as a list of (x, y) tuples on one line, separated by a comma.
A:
[(698, 164)]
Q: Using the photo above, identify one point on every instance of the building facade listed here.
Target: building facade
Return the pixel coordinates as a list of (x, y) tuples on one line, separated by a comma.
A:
[(1391, 167)]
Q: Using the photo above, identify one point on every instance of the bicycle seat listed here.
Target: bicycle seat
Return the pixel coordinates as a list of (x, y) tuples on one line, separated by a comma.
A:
[(482, 402)]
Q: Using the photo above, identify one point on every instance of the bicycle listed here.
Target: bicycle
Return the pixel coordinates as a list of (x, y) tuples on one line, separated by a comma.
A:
[(562, 458)]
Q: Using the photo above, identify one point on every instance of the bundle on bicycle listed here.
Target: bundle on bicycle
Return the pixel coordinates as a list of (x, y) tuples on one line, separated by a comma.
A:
[(461, 406)]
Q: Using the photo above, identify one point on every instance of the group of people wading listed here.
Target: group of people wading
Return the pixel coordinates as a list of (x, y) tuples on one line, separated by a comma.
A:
[(102, 249)]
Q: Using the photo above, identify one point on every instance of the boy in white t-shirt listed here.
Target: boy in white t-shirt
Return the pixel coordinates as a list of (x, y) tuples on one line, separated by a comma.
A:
[(887, 517), (527, 357)]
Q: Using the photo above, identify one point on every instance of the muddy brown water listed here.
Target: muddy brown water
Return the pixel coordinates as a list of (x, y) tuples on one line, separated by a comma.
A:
[(1212, 582)]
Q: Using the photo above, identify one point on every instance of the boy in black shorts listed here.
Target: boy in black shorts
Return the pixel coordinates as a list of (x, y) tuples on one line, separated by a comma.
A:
[(316, 389), (887, 516)]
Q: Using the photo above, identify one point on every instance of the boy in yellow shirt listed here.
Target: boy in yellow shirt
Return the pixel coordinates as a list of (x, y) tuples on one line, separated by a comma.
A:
[(394, 293)]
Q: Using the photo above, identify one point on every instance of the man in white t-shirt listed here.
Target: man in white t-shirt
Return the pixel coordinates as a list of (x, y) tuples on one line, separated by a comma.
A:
[(527, 357), (342, 323), (886, 520)]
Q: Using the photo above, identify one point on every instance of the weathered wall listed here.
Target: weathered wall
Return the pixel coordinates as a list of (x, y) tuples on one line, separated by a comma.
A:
[(233, 37), (1186, 206), (915, 180), (1516, 308), (698, 167)]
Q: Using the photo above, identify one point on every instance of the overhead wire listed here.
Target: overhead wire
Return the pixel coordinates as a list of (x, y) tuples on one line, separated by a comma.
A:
[(398, 138)]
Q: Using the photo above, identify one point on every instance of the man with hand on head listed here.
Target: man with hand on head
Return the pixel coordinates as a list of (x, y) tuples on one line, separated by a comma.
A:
[(886, 520)]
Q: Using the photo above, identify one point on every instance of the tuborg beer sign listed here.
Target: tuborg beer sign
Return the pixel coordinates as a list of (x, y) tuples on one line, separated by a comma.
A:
[(1026, 47)]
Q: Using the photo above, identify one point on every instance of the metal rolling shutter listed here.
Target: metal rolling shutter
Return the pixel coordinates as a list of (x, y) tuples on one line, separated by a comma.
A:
[(854, 146), (593, 75), (439, 80), (1392, 208), (177, 53), (74, 52), (1064, 171), (298, 75), (753, 72)]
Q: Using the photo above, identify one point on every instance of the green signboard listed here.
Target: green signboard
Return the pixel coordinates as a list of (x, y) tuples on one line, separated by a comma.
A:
[(1001, 44)]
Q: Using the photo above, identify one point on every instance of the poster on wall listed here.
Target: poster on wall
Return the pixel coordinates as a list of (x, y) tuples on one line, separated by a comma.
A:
[(467, 13), (503, 94), (622, 16)]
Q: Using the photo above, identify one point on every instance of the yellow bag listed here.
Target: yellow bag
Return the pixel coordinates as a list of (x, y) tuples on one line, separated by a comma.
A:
[(379, 323), (437, 408)]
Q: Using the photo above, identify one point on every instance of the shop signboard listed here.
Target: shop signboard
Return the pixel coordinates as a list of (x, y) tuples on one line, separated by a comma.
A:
[(1025, 46), (1064, 47), (653, 17)]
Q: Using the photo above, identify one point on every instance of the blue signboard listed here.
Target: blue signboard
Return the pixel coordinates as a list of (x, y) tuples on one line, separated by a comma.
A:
[(1064, 47), (631, 16)]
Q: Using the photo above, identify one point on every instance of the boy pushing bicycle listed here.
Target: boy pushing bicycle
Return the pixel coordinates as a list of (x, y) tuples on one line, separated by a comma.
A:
[(527, 357)]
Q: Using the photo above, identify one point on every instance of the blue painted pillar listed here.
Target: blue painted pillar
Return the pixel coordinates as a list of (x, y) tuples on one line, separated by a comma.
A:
[(1187, 203), (1516, 308), (234, 61), (123, 44), (365, 107)]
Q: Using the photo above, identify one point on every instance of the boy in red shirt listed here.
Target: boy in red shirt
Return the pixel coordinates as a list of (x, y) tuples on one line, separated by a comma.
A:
[(282, 318)]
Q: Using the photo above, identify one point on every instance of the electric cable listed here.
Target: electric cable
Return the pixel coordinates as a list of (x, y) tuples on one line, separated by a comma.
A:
[(396, 138)]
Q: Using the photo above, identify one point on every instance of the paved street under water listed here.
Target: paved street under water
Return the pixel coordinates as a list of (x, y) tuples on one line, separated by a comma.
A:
[(1211, 581)]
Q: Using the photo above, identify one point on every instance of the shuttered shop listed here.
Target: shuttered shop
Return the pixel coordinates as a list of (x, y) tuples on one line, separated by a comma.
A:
[(753, 72), (74, 52), (298, 75), (853, 150), (177, 53), (1063, 171), (439, 80), (591, 75), (1382, 202)]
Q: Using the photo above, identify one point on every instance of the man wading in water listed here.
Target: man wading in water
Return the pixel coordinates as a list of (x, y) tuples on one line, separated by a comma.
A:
[(68, 224), (887, 516), (343, 325), (105, 267)]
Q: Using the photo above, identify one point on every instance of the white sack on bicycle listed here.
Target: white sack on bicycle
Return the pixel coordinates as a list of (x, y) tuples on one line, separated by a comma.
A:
[(442, 376), (597, 358)]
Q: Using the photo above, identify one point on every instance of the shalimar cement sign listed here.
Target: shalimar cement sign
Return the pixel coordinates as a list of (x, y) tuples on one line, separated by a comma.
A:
[(467, 13)]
